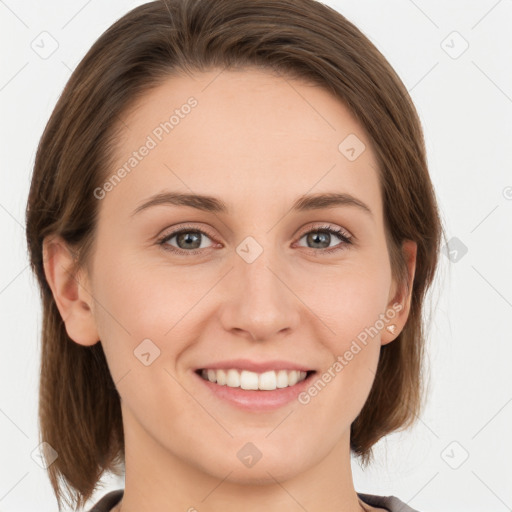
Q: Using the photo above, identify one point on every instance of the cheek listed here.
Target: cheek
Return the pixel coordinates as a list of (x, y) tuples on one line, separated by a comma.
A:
[(348, 298), (353, 306), (146, 300), (143, 298), (352, 302)]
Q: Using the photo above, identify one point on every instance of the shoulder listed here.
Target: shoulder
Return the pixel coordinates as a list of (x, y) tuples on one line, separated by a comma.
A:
[(390, 503), (108, 501)]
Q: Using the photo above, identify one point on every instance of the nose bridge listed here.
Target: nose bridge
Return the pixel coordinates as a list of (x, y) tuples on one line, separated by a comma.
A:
[(261, 303), (258, 276)]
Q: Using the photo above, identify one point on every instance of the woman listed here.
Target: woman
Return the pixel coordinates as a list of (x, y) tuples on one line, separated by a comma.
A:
[(233, 227)]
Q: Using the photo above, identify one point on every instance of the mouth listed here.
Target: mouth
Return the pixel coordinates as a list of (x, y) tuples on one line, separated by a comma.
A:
[(254, 386), (270, 380)]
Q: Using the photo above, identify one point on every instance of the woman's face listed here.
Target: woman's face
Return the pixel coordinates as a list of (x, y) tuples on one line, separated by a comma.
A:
[(259, 285)]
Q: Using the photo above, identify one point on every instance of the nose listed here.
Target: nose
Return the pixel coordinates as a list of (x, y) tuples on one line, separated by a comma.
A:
[(260, 303)]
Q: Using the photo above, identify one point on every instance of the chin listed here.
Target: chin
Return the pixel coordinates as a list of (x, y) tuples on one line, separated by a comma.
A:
[(250, 466)]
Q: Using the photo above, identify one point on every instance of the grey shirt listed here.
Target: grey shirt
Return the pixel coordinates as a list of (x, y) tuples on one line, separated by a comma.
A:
[(390, 503)]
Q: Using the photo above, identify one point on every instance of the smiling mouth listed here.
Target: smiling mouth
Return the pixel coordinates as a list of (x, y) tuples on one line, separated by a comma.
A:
[(248, 380)]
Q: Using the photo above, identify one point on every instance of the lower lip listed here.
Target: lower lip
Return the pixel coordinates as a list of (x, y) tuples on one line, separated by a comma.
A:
[(257, 400)]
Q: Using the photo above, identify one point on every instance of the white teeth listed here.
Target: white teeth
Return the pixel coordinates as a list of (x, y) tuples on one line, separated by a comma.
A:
[(246, 379), (221, 377), (268, 381), (282, 379), (233, 379)]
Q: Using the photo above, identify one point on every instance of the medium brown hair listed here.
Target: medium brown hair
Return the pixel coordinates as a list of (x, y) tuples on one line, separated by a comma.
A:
[(79, 406)]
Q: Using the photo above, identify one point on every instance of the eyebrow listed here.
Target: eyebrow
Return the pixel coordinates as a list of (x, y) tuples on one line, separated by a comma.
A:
[(215, 205)]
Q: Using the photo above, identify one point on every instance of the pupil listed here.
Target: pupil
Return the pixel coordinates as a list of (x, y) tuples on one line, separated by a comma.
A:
[(316, 236), (188, 237)]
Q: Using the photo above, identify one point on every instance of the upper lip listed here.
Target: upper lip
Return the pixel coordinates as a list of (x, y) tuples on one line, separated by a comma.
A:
[(255, 366)]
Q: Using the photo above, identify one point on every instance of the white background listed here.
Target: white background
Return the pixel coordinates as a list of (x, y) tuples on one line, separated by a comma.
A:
[(465, 105)]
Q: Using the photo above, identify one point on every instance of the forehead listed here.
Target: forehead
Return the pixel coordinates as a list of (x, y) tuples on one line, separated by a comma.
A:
[(249, 137)]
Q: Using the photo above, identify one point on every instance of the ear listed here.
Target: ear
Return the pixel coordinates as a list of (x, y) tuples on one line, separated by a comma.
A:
[(70, 291), (399, 297)]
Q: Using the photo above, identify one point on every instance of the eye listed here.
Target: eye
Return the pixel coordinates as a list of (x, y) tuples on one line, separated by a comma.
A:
[(321, 237), (189, 241)]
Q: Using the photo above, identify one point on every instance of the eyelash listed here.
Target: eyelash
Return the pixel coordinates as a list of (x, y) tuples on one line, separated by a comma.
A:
[(345, 240)]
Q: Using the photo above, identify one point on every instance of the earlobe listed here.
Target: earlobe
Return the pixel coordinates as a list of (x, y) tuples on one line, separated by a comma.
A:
[(400, 301), (70, 291)]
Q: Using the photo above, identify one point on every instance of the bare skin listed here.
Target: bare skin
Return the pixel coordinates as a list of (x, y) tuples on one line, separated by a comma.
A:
[(257, 142)]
